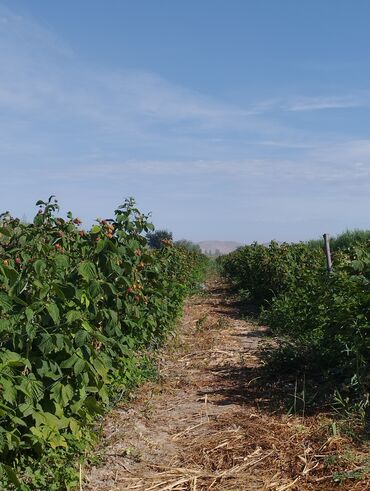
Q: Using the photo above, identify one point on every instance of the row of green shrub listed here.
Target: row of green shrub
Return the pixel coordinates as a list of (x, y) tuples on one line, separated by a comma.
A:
[(323, 316), (76, 308), (343, 241)]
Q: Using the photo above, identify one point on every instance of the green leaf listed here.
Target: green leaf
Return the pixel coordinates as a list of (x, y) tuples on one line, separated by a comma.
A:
[(95, 229), (9, 392), (69, 362), (48, 371), (34, 389), (86, 326), (4, 325), (85, 300), (87, 270), (53, 421), (81, 338), (5, 302), (53, 310), (93, 406), (29, 313), (79, 366), (27, 408), (17, 421), (59, 341), (31, 331), (47, 344), (100, 368), (39, 266), (104, 394), (95, 289), (100, 245), (73, 315), (61, 261), (59, 292), (74, 425), (11, 475), (11, 274), (67, 393), (11, 358)]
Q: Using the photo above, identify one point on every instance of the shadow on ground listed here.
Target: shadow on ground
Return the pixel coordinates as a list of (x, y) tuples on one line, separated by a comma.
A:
[(273, 388)]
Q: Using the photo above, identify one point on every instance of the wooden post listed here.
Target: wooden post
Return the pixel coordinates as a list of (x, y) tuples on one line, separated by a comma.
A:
[(328, 253)]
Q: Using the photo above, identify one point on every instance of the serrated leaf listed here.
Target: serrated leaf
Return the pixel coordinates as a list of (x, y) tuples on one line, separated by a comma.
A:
[(87, 270), (66, 394), (34, 389), (9, 392)]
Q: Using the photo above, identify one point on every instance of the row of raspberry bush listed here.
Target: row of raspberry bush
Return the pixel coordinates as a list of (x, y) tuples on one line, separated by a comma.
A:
[(324, 317), (76, 307)]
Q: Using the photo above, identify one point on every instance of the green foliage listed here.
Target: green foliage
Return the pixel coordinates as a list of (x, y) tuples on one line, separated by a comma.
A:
[(265, 272), (76, 308), (343, 241), (350, 238), (324, 316)]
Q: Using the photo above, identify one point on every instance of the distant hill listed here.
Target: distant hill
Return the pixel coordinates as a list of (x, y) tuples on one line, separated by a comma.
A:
[(224, 247)]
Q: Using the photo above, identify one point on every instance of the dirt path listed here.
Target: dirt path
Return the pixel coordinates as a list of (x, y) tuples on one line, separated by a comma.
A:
[(212, 421)]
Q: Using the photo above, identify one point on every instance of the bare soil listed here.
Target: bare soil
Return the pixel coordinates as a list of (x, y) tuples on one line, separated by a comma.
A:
[(215, 421)]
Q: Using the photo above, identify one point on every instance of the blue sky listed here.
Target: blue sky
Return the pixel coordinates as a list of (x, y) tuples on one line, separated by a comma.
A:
[(227, 119)]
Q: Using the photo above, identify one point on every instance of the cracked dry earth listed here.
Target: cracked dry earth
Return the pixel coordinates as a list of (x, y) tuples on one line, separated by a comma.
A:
[(211, 420)]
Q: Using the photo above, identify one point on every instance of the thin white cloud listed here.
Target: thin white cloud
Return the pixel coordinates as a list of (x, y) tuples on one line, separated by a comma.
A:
[(328, 102), (341, 164), (43, 82), (42, 77)]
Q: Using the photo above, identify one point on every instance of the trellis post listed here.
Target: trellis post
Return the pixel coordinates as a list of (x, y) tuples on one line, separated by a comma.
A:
[(329, 262)]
